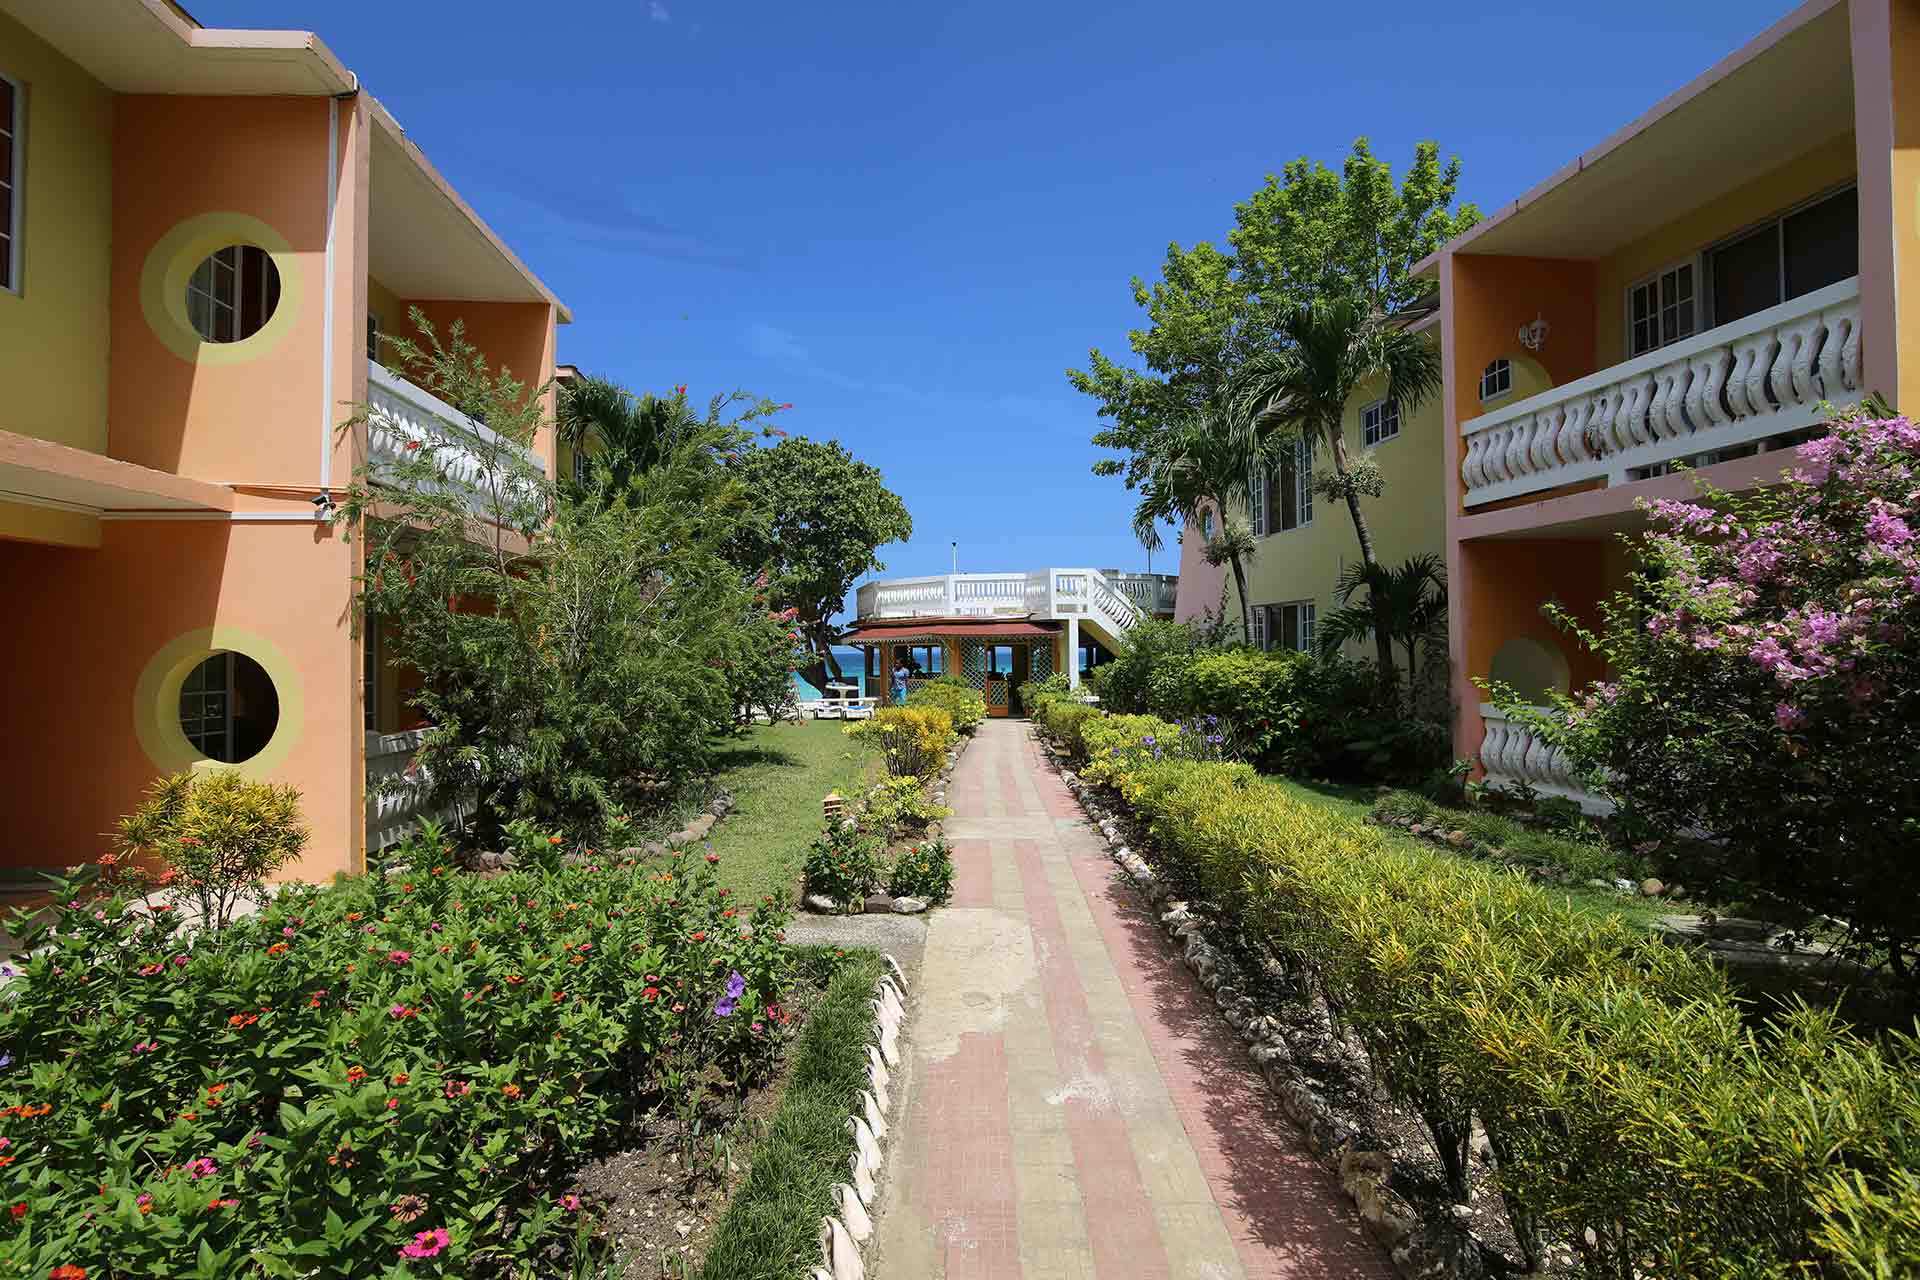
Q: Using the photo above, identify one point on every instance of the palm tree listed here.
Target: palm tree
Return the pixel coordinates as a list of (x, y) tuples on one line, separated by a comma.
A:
[(633, 434), (1415, 593), (1298, 389), (1201, 463)]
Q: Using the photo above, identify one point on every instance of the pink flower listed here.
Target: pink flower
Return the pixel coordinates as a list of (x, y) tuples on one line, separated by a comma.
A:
[(204, 1167), (399, 957), (426, 1244), (570, 1202), (1789, 717)]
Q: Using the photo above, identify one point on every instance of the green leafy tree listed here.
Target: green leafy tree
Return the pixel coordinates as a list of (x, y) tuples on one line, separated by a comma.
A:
[(1309, 236), (622, 435), (1299, 389), (1201, 463), (827, 514), (573, 653)]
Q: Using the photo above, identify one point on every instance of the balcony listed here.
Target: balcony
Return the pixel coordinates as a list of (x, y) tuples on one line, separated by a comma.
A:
[(1514, 754), (1732, 389), (403, 419), (1114, 603)]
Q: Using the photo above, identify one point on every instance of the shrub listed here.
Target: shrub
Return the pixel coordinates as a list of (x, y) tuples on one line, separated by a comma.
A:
[(843, 864), (912, 740), (924, 871), (1631, 1111), (220, 834), (1118, 745), (1767, 690), (899, 804), (1035, 694), (963, 703), (1153, 654), (256, 1099), (1062, 721)]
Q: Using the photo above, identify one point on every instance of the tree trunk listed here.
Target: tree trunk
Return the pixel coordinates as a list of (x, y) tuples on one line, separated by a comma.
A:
[(1382, 618), (1240, 584)]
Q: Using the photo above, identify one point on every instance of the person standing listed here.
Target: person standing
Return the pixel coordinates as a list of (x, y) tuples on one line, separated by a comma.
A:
[(899, 682)]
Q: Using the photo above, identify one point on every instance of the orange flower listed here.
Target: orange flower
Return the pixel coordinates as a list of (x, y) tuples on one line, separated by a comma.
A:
[(511, 1090), (356, 1074), (400, 1077), (67, 1271), (278, 948)]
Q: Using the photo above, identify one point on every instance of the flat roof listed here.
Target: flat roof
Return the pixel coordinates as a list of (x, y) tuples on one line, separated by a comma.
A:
[(1791, 86)]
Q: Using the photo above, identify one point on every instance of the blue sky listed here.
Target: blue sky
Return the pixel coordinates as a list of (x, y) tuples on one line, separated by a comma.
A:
[(911, 219)]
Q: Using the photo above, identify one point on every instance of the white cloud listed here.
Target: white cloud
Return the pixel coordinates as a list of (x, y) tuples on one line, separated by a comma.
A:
[(658, 12), (785, 349)]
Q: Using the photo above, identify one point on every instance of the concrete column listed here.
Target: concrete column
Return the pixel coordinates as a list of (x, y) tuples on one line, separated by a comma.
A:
[(1073, 652)]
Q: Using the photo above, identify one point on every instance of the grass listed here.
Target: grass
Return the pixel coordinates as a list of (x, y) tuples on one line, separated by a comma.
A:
[(769, 1231), (778, 774), (1356, 801)]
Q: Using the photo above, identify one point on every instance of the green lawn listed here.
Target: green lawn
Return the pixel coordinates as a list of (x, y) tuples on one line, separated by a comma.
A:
[(1356, 802), (778, 775)]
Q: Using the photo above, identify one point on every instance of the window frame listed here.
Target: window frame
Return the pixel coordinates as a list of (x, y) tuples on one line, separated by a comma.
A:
[(376, 333), (1259, 636), (16, 180), (1206, 524), (201, 733), (1777, 221), (1696, 262), (1305, 620), (1379, 409), (1499, 367)]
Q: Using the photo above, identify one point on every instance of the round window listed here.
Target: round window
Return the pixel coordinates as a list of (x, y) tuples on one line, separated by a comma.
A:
[(232, 293), (229, 708)]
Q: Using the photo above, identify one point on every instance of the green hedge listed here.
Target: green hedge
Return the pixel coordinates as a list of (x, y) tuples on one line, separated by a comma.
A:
[(770, 1229), (965, 704), (1632, 1111)]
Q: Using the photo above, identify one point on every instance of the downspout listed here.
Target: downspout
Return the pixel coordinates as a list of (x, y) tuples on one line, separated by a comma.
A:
[(326, 323)]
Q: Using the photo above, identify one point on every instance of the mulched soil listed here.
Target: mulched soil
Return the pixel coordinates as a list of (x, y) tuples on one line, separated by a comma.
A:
[(658, 1209)]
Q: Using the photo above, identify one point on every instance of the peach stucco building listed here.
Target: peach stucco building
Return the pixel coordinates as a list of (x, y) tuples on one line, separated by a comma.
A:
[(204, 231), (1690, 290)]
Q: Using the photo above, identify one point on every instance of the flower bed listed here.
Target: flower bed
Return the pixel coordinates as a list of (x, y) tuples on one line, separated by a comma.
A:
[(387, 1076), (1629, 1110)]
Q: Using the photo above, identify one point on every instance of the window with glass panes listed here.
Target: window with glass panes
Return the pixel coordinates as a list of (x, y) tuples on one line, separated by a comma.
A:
[(1380, 421), (1496, 379), (12, 119), (206, 707), (1804, 249), (1283, 495), (1661, 309), (232, 293)]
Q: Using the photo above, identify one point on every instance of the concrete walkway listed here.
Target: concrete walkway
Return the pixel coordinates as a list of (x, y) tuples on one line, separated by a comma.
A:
[(1075, 1106)]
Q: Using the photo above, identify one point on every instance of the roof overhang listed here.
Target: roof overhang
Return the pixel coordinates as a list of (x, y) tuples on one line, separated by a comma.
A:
[(425, 241), (1792, 85), (149, 46), (41, 472), (895, 630)]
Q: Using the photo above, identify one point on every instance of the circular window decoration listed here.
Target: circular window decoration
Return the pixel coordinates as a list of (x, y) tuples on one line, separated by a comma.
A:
[(233, 293), (229, 708)]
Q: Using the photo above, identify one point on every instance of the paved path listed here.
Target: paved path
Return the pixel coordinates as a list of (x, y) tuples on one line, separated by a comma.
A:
[(1075, 1106)]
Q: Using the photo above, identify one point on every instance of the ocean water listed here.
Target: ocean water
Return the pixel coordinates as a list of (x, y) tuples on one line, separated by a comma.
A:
[(852, 664)]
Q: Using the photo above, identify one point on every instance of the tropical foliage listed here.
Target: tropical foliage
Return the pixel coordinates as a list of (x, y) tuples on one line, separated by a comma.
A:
[(395, 1076), (1411, 598), (1765, 688)]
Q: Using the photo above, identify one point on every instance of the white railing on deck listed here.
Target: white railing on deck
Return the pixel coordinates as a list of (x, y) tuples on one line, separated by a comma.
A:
[(1736, 385), (403, 419), (396, 795), (1512, 752), (1046, 594)]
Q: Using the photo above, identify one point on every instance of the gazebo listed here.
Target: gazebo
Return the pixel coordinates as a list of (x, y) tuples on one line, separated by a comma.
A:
[(994, 655)]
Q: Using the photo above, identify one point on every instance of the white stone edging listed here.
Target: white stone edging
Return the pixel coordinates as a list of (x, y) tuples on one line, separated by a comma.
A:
[(844, 1232)]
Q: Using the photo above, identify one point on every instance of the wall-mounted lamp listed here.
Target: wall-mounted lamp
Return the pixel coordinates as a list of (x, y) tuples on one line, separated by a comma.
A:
[(1534, 336)]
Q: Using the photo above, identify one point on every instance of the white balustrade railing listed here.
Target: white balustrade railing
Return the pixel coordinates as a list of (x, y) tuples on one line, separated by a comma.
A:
[(1042, 593), (1733, 386), (1514, 752), (397, 791), (403, 419)]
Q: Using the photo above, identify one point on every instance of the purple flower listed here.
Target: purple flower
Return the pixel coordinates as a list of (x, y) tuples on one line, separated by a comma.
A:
[(736, 987), (1789, 717)]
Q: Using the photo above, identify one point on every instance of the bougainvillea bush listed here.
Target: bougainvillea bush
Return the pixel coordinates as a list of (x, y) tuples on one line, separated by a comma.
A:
[(1766, 690), (391, 1076)]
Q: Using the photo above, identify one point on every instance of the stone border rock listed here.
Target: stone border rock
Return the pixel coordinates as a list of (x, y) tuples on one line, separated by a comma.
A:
[(1417, 1250), (844, 1233)]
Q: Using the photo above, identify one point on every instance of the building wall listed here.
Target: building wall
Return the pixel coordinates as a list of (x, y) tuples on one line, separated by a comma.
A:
[(1827, 166), (1198, 593), (53, 331), (100, 646), (1407, 519), (517, 336), (192, 175)]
